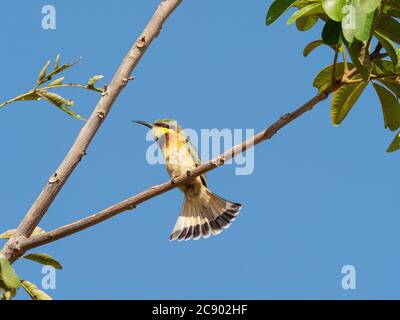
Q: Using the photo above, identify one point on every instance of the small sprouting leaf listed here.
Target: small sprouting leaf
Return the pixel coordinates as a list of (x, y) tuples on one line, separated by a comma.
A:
[(45, 259), (38, 231), (390, 28), (8, 278), (34, 292), (57, 62), (29, 97), (395, 145), (8, 234), (311, 9), (55, 98), (42, 74), (331, 33), (92, 81), (390, 107), (71, 113), (278, 8), (56, 82), (312, 46), (334, 8), (60, 69), (344, 99), (60, 102)]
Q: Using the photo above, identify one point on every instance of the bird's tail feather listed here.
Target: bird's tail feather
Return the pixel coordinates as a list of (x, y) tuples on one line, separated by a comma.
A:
[(204, 215)]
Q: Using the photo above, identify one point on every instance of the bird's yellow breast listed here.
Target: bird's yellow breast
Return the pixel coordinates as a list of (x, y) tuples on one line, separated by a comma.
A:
[(178, 159)]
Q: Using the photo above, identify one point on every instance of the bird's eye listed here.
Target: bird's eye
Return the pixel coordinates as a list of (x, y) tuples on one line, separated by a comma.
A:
[(156, 139)]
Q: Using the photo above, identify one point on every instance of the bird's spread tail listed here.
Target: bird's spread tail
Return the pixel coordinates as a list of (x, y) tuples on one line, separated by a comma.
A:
[(204, 215)]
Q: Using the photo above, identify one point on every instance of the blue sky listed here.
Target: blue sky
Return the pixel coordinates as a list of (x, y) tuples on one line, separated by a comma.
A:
[(320, 197)]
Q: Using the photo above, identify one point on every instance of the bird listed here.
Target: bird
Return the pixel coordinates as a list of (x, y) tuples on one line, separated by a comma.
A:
[(203, 212)]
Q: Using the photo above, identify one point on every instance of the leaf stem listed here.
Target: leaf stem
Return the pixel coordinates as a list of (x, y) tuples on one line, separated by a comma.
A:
[(335, 60)]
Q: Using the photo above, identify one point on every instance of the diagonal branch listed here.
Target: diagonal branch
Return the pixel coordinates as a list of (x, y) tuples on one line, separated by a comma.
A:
[(78, 150), (152, 192)]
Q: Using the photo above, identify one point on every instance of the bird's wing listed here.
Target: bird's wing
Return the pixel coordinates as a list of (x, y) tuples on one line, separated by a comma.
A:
[(196, 158)]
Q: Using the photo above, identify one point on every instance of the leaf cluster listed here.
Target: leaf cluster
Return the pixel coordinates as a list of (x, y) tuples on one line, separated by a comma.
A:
[(48, 81), (10, 282), (352, 28)]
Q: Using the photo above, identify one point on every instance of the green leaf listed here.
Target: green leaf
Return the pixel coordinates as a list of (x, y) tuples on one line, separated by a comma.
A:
[(56, 82), (344, 99), (394, 86), (390, 107), (370, 5), (8, 278), (29, 97), (42, 74), (55, 98), (334, 9), (306, 23), (278, 8), (384, 67), (390, 28), (358, 19), (364, 26), (312, 46), (34, 292), (45, 259), (324, 78), (60, 69), (8, 234), (390, 47), (360, 57), (313, 8), (57, 62), (394, 13), (357, 22), (92, 81), (60, 103), (395, 145), (331, 33)]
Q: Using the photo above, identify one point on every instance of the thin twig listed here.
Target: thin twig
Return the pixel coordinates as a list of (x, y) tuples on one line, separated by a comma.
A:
[(335, 60), (78, 150), (346, 65)]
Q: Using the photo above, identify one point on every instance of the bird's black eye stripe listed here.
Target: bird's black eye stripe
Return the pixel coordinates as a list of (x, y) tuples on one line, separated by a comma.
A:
[(162, 125)]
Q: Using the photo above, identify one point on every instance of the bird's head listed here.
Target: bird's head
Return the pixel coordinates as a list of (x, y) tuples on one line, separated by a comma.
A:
[(162, 127)]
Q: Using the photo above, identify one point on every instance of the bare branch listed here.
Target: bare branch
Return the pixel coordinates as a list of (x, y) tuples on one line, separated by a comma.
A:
[(78, 150), (152, 192)]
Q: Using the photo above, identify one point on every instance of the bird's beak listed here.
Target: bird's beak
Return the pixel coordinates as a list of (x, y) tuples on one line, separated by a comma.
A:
[(144, 123)]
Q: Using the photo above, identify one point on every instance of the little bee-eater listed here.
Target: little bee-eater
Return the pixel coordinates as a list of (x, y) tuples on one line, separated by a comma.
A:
[(203, 212)]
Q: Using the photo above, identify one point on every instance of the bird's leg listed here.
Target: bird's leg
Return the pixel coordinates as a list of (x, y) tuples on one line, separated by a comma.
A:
[(173, 178)]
